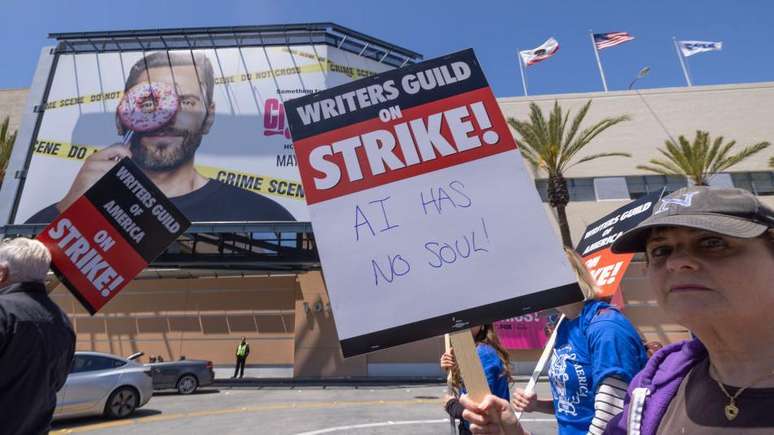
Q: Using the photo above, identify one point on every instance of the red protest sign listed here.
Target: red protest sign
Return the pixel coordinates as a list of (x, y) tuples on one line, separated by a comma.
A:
[(107, 236), (605, 267)]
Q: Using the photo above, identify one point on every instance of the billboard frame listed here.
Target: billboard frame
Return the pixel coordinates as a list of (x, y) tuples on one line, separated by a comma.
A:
[(287, 246)]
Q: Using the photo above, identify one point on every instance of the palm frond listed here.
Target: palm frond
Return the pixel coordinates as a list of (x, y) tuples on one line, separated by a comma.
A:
[(597, 156), (700, 158)]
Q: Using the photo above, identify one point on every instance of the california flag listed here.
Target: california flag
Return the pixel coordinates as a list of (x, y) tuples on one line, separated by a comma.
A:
[(548, 49)]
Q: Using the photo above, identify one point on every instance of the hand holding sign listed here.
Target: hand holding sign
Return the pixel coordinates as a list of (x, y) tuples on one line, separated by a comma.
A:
[(94, 167)]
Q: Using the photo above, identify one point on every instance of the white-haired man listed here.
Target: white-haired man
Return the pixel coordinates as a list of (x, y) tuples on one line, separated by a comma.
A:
[(36, 340)]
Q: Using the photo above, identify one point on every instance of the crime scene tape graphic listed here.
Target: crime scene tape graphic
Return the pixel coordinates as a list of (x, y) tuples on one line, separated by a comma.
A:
[(323, 65), (262, 184)]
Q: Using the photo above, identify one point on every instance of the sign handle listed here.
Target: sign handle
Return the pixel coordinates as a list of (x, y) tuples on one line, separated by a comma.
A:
[(449, 386), (541, 362), (470, 366)]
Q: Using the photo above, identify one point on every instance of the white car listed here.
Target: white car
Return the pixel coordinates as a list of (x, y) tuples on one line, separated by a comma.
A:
[(102, 384)]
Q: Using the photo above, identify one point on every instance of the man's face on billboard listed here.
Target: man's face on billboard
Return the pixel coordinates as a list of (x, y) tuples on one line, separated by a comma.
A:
[(176, 143)]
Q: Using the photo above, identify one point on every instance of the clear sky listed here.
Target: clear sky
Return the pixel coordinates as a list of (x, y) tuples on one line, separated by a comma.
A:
[(495, 29)]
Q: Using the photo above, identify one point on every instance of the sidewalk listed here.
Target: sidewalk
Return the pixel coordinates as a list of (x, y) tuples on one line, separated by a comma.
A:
[(352, 381)]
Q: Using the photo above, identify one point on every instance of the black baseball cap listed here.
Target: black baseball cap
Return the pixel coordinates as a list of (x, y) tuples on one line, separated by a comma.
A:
[(730, 212)]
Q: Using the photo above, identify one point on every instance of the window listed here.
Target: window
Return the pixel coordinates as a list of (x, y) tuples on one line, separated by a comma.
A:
[(580, 189), (722, 180), (90, 363), (759, 183), (611, 188), (542, 188), (641, 185)]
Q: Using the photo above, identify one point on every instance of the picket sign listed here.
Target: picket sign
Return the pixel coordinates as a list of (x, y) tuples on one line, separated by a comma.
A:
[(541, 364)]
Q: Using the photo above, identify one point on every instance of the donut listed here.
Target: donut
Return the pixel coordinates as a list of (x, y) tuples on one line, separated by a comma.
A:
[(148, 106)]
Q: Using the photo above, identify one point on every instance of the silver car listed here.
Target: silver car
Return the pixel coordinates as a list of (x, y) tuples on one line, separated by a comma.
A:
[(103, 384)]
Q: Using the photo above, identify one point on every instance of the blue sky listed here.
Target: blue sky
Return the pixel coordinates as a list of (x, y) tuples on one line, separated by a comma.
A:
[(494, 29)]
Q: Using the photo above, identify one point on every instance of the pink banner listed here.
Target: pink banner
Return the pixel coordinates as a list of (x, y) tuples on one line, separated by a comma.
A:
[(523, 332)]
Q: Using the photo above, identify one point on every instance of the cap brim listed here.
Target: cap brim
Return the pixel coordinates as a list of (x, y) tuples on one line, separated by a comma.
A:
[(634, 240)]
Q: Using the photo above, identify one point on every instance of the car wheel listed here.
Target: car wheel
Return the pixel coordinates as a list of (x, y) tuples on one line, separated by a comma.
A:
[(187, 384), (122, 403)]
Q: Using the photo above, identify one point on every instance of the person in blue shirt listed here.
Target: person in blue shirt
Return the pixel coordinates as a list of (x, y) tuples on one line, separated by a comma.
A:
[(596, 354), (495, 362)]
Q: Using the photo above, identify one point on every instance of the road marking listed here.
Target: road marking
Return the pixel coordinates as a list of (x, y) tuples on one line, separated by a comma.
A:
[(367, 425), (399, 423), (274, 407)]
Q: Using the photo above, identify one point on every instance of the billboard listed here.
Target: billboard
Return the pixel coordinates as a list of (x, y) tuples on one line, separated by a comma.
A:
[(208, 126)]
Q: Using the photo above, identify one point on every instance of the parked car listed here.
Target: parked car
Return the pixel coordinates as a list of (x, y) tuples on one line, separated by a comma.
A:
[(104, 384), (186, 376)]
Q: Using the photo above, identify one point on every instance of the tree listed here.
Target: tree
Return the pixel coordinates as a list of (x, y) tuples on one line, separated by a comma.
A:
[(6, 145), (771, 162), (700, 159), (551, 147)]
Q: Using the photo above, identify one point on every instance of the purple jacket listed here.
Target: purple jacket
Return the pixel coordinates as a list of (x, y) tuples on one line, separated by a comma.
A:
[(651, 391)]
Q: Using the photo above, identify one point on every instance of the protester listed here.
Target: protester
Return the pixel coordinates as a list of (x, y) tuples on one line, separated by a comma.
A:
[(596, 353), (36, 340), (710, 264), (242, 351), (495, 362)]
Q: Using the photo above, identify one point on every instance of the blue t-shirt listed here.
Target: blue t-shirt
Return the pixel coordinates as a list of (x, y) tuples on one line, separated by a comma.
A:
[(599, 343), (493, 369)]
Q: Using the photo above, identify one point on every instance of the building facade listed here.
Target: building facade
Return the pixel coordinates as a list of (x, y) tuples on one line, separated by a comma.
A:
[(287, 318)]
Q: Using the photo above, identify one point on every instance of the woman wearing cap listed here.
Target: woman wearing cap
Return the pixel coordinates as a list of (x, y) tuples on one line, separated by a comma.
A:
[(710, 264)]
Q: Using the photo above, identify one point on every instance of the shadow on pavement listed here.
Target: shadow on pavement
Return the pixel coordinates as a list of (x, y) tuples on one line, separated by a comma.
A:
[(195, 393), (73, 423)]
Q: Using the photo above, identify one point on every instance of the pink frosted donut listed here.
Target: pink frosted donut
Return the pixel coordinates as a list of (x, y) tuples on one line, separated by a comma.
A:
[(148, 107)]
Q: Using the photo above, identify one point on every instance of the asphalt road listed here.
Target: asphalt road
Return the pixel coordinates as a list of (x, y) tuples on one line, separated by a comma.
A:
[(367, 410)]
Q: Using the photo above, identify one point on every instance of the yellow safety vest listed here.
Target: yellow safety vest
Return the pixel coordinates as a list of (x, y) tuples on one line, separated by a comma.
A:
[(242, 349)]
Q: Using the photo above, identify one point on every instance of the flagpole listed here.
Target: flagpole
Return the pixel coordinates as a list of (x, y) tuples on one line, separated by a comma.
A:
[(682, 62), (599, 62), (521, 70)]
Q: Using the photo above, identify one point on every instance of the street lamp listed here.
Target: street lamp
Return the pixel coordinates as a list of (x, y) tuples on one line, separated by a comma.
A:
[(643, 72)]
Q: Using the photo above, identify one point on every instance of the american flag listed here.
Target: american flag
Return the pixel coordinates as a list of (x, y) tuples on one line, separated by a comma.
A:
[(611, 39)]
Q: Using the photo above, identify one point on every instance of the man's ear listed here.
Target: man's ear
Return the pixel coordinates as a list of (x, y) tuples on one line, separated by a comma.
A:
[(210, 119), (4, 274)]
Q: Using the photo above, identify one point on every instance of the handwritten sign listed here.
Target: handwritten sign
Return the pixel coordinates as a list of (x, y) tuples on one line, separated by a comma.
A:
[(606, 267), (108, 235), (425, 217)]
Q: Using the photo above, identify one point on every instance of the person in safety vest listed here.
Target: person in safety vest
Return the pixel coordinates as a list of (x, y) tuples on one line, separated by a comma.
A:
[(242, 351)]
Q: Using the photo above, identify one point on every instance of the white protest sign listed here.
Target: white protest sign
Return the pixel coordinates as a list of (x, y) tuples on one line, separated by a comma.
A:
[(425, 217)]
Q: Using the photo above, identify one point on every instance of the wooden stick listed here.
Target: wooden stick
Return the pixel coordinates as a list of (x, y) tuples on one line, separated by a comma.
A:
[(470, 367), (449, 386), (542, 361)]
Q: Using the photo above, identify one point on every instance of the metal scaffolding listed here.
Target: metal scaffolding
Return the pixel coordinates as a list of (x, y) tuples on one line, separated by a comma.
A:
[(236, 36)]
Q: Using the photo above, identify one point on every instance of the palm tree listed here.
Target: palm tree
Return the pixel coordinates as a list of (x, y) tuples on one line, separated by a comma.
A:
[(700, 159), (6, 145), (552, 147)]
